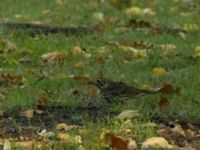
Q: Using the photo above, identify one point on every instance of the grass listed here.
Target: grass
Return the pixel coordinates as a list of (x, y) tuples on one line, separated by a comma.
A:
[(183, 71)]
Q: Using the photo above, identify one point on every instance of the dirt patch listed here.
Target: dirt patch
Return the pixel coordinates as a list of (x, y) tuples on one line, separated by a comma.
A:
[(13, 124)]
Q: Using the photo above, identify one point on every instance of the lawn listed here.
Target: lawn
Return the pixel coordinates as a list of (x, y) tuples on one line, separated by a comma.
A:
[(43, 78)]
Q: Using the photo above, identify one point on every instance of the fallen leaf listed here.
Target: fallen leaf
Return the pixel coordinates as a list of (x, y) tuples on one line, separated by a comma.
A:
[(80, 147), (115, 142), (159, 72), (8, 45), (120, 3), (78, 139), (1, 113), (79, 65), (164, 102), (76, 51), (42, 74), (28, 113), (173, 133), (6, 145), (98, 16), (12, 79), (25, 59), (100, 60), (53, 58), (28, 145), (169, 49), (43, 99), (132, 145), (182, 35), (136, 11), (156, 143), (127, 114), (64, 137), (82, 78), (58, 2), (167, 88), (62, 126)]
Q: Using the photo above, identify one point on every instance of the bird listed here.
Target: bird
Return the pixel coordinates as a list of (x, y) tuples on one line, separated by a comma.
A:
[(110, 89)]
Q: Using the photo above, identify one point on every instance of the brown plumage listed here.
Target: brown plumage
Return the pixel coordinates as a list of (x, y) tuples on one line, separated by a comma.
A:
[(110, 89)]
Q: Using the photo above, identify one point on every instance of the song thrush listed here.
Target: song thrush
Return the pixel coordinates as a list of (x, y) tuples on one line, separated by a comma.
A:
[(110, 89)]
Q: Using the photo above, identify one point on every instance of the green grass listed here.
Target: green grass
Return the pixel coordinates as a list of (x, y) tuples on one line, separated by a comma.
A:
[(183, 71)]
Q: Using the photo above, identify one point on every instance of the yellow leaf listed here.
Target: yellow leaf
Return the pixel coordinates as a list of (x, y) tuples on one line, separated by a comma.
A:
[(156, 143), (134, 11), (98, 16), (169, 49), (76, 50), (127, 114), (159, 72), (58, 2), (62, 126), (132, 145), (53, 58), (28, 113), (79, 65), (197, 52), (78, 139), (6, 145), (64, 137), (26, 145), (80, 147)]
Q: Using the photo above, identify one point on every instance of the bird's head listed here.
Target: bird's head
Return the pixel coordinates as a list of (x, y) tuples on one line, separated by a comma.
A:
[(101, 83)]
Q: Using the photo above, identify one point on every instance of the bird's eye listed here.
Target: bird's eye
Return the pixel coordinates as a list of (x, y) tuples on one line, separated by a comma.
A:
[(98, 81)]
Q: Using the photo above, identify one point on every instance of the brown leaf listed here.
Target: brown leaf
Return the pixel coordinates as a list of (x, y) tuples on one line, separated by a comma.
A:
[(27, 145), (10, 46), (178, 90), (134, 23), (100, 60), (164, 102), (43, 100), (1, 113), (116, 142), (53, 58), (175, 134), (12, 79), (28, 113), (82, 78), (167, 88), (133, 44)]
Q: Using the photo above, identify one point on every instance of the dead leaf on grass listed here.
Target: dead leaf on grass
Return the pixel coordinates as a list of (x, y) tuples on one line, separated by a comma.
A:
[(12, 79), (25, 59), (27, 145), (127, 114), (115, 142), (8, 45), (1, 113), (173, 133), (43, 99), (6, 145), (156, 143), (28, 113), (53, 58), (159, 72), (164, 102), (81, 78), (64, 137)]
